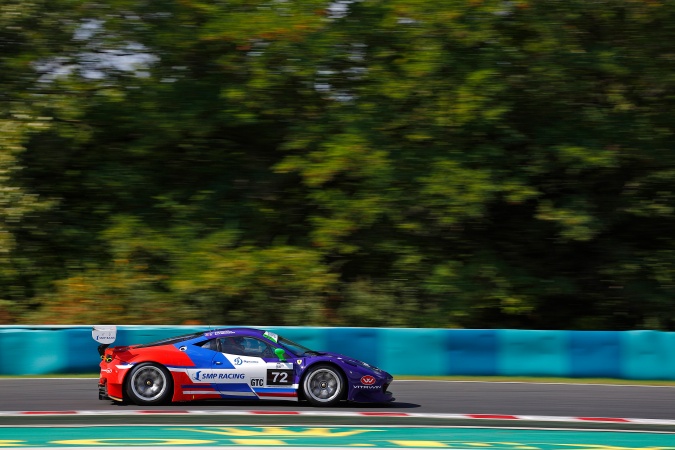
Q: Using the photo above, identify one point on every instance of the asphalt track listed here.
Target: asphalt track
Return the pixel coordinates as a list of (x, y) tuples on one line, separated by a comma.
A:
[(427, 397), (66, 413)]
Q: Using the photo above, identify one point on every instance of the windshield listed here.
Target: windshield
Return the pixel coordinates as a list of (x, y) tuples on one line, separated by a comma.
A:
[(298, 349)]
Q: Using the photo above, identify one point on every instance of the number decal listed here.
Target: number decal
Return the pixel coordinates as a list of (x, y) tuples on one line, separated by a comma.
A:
[(279, 377)]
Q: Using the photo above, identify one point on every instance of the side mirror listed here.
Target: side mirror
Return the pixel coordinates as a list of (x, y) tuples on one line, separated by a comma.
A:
[(280, 354)]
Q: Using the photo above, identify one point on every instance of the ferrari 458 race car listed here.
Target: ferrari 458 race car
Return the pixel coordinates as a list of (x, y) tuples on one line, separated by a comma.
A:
[(233, 363)]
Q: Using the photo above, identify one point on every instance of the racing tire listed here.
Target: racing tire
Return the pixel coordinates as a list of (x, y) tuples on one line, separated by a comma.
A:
[(149, 384), (324, 385)]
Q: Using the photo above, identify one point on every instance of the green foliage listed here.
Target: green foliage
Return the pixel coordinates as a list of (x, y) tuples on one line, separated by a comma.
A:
[(381, 163)]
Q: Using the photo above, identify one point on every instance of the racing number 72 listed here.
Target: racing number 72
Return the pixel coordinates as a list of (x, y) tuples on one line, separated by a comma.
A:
[(279, 377)]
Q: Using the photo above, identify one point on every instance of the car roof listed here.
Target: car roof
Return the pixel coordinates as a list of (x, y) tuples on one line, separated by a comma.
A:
[(220, 332), (233, 332)]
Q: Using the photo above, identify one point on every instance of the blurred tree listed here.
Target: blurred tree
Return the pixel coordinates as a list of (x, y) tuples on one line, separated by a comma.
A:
[(26, 36), (380, 163), (501, 142)]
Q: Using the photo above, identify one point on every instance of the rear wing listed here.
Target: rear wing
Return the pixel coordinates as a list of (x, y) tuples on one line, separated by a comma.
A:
[(104, 335)]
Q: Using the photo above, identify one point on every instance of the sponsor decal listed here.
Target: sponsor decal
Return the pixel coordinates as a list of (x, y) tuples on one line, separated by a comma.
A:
[(199, 376), (360, 386), (106, 370), (367, 380), (238, 361), (271, 336), (218, 333), (104, 334)]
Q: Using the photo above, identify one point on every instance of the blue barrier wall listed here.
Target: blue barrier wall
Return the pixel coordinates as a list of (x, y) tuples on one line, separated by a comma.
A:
[(595, 354), (536, 353), (26, 350), (471, 352), (648, 355)]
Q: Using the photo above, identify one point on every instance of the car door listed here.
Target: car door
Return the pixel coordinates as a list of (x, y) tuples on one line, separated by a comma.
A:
[(280, 372), (257, 370), (201, 379), (233, 372)]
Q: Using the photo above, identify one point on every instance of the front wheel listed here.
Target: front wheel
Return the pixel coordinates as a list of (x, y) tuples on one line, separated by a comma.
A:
[(323, 385), (149, 384)]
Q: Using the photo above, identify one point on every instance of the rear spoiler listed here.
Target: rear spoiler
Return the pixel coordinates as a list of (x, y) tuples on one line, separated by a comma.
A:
[(104, 335)]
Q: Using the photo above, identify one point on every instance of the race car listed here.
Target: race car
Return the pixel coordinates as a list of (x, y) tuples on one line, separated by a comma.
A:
[(233, 363)]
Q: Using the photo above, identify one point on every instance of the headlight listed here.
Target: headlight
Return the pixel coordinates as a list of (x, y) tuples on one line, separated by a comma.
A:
[(362, 364)]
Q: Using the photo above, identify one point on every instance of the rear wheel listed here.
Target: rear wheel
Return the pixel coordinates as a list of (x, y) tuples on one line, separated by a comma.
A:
[(323, 385), (149, 384)]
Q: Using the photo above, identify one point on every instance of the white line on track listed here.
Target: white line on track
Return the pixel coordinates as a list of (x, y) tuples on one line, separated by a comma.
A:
[(280, 414)]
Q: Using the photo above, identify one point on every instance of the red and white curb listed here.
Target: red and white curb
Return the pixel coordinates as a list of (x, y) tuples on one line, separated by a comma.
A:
[(186, 412)]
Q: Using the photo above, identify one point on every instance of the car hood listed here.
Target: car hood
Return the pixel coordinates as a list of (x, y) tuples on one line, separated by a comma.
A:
[(348, 360)]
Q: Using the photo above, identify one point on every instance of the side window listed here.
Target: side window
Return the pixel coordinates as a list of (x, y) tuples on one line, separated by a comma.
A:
[(211, 345), (233, 345), (245, 346), (258, 348)]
